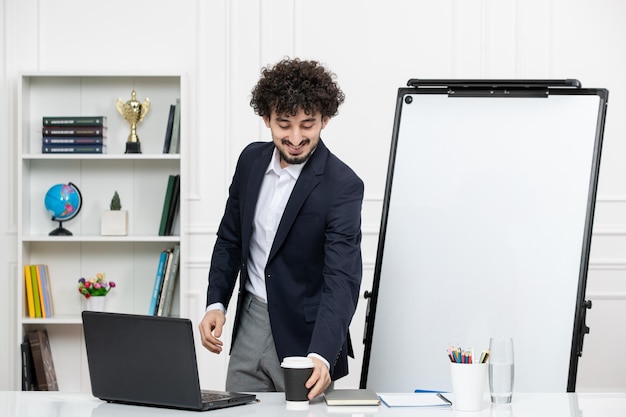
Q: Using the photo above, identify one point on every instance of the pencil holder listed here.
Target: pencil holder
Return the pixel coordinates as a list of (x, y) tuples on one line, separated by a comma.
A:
[(468, 385)]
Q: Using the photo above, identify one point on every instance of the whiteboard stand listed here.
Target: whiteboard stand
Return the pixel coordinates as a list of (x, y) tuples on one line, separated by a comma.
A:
[(485, 230)]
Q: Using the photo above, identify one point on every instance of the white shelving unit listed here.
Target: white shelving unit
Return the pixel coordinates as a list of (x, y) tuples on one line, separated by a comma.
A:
[(140, 179)]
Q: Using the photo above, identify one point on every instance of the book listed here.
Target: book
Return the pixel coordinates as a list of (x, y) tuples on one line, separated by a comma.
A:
[(166, 204), (169, 286), (73, 149), (49, 285), (73, 131), (42, 292), (173, 206), (28, 367), (51, 377), (46, 289), (78, 140), (45, 374), (351, 397), (29, 292), (36, 294), (74, 121), (175, 141), (164, 282), (168, 129), (158, 281)]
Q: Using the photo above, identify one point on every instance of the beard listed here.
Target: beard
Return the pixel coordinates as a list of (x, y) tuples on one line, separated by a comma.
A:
[(295, 160)]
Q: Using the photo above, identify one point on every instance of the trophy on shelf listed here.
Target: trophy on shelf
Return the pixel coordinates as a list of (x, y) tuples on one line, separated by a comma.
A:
[(133, 112)]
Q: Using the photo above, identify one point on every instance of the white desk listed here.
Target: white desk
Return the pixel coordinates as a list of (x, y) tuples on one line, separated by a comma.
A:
[(60, 404)]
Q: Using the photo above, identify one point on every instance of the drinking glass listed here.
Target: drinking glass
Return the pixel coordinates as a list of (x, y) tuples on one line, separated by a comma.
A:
[(501, 369)]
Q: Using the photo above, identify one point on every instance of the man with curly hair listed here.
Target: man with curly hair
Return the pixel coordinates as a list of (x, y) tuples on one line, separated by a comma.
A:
[(291, 231)]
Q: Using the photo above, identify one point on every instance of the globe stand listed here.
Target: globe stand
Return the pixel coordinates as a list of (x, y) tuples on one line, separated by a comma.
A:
[(60, 231)]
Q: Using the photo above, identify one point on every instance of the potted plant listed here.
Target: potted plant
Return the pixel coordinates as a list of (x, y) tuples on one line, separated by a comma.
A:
[(94, 291), (114, 222)]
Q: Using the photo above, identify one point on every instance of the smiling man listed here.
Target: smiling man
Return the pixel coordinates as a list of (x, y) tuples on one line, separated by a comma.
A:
[(291, 231)]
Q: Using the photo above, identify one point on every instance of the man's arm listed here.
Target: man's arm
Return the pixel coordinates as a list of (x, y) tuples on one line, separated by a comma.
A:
[(342, 272)]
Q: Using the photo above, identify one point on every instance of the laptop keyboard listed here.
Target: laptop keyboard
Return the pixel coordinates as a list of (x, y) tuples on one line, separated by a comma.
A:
[(208, 396)]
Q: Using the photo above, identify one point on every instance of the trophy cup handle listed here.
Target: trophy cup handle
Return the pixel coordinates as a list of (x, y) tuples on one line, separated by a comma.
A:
[(119, 104), (144, 108)]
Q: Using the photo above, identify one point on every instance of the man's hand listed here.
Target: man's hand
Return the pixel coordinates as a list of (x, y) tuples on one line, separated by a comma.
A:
[(211, 330), (319, 380)]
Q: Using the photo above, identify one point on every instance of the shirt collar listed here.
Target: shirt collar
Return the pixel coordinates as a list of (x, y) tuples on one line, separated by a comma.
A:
[(292, 169)]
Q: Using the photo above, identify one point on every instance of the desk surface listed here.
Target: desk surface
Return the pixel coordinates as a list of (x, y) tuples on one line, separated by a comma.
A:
[(57, 404)]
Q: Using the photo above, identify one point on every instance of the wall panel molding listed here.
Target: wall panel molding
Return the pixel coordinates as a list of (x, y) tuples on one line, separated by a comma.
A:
[(606, 296)]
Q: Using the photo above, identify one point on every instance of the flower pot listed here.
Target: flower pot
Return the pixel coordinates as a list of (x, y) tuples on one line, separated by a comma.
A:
[(95, 303), (114, 223)]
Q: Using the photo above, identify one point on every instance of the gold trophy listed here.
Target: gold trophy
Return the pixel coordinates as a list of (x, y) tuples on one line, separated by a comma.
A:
[(133, 111)]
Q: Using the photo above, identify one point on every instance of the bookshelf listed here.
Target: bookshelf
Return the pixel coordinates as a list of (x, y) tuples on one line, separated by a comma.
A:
[(140, 179)]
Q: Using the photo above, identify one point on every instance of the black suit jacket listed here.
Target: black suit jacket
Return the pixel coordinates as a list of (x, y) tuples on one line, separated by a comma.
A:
[(313, 274)]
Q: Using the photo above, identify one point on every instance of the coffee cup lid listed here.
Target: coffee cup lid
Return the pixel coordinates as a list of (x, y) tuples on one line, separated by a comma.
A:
[(297, 362)]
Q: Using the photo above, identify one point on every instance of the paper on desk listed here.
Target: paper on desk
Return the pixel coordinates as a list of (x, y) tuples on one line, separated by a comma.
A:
[(421, 399)]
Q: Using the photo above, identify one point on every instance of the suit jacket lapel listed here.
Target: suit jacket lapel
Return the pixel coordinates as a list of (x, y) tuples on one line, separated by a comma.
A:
[(310, 176)]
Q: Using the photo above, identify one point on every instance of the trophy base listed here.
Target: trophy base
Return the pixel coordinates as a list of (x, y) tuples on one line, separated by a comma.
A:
[(133, 147)]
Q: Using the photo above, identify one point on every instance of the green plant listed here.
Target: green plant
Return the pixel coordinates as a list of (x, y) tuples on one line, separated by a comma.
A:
[(116, 204)]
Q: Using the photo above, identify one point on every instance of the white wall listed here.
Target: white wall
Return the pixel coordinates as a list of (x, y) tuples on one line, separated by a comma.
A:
[(374, 47)]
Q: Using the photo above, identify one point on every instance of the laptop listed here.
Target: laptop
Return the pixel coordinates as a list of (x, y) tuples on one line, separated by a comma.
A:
[(150, 361)]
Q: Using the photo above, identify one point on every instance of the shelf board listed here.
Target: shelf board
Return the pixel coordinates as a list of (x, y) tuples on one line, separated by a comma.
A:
[(103, 156), (100, 239), (56, 319)]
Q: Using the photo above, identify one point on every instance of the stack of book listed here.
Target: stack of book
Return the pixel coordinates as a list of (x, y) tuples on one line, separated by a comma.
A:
[(38, 373), (38, 291), (165, 282), (74, 134)]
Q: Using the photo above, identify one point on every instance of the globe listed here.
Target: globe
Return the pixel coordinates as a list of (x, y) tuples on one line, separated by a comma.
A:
[(63, 202)]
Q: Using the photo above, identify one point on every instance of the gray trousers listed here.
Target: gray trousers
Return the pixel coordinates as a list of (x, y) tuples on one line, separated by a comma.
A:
[(254, 365)]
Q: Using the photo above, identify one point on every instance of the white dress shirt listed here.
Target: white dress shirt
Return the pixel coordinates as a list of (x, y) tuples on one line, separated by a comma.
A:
[(275, 191)]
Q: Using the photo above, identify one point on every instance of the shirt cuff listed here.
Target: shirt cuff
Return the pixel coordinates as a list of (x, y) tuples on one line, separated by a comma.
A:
[(315, 355), (215, 306)]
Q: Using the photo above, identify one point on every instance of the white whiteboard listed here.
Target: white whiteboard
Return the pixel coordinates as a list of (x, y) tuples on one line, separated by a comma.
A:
[(486, 226)]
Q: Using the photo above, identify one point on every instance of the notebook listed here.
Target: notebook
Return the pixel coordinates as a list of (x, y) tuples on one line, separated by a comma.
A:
[(351, 397), (148, 360)]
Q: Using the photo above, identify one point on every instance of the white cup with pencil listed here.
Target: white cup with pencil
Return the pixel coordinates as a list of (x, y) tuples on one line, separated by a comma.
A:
[(469, 377)]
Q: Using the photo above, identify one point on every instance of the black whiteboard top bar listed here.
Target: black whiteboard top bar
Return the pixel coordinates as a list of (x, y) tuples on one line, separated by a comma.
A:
[(511, 83), (494, 88)]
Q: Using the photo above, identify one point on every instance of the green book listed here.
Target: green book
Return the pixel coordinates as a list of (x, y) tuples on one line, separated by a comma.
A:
[(166, 205), (36, 295), (175, 139), (74, 121)]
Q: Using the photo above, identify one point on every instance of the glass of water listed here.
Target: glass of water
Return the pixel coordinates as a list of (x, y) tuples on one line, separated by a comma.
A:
[(501, 369)]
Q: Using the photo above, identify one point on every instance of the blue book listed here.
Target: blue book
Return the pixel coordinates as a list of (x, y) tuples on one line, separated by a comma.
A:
[(158, 282)]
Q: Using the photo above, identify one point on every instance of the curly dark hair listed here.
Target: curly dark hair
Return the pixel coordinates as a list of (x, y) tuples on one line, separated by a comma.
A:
[(291, 85)]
